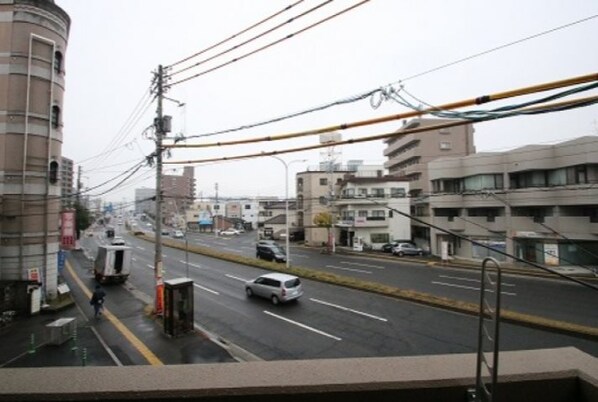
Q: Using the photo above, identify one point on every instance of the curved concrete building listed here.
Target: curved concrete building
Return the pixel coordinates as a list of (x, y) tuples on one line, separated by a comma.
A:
[(33, 42)]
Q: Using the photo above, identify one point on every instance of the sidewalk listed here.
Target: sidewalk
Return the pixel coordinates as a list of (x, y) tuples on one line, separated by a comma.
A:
[(125, 335)]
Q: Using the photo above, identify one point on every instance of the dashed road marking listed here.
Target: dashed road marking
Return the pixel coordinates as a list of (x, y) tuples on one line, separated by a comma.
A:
[(349, 269), (375, 317), (206, 289), (470, 288), (317, 331)]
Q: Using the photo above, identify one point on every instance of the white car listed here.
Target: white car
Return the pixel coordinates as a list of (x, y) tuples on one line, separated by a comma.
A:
[(178, 234), (229, 232), (118, 241)]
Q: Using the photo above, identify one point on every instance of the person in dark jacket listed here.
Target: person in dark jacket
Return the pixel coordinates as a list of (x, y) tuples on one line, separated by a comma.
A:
[(97, 300)]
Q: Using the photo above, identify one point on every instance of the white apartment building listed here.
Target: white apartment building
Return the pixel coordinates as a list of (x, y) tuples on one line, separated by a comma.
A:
[(316, 191), (369, 211), (538, 202)]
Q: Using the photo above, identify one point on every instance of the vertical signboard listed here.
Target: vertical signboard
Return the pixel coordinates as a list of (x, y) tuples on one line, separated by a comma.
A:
[(551, 254), (67, 230)]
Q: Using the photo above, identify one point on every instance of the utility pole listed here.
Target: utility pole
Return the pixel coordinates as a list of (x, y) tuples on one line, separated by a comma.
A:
[(78, 195), (160, 131)]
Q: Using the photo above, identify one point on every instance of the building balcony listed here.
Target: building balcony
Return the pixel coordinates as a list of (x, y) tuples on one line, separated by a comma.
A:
[(364, 222)]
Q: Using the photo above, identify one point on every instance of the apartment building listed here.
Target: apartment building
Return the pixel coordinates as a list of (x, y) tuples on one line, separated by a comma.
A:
[(33, 44), (178, 194), (316, 189), (67, 185), (409, 155), (538, 202), (372, 211)]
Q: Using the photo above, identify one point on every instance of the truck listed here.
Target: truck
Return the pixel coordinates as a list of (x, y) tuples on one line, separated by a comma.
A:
[(112, 263)]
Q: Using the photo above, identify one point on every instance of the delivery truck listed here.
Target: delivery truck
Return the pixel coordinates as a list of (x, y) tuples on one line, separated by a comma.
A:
[(112, 264)]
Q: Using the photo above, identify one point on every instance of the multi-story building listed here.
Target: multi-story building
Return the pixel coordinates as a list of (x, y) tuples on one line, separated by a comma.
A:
[(538, 202), (178, 194), (33, 44), (66, 182), (273, 218), (233, 209), (250, 211), (409, 154), (144, 200), (315, 189), (372, 209)]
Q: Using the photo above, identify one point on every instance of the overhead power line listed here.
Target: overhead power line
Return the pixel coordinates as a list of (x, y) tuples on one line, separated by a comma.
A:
[(372, 92), (535, 110), (494, 49), (385, 119), (253, 38), (276, 42), (287, 8)]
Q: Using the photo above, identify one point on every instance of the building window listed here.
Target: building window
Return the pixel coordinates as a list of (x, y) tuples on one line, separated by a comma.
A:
[(377, 193), (362, 192), (247, 206), (55, 118), (53, 176), (58, 62), (323, 201), (379, 238), (216, 207), (445, 145), (362, 214), (323, 181), (378, 213), (397, 192)]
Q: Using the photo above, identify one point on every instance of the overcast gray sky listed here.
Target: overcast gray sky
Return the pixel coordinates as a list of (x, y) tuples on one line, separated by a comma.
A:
[(114, 46)]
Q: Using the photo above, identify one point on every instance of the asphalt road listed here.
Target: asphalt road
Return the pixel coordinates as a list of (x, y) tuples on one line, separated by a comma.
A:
[(555, 299), (329, 321)]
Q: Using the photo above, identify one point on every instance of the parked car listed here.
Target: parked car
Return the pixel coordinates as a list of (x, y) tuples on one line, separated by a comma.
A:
[(271, 252), (279, 288), (229, 232), (177, 234), (402, 249), (118, 241), (387, 248)]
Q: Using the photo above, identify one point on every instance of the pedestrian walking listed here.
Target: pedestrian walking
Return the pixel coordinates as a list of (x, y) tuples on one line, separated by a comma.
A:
[(97, 300)]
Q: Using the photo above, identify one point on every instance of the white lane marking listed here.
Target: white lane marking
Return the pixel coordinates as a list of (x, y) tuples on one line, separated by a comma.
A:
[(362, 265), (471, 288), (349, 269), (202, 243), (247, 247), (164, 255), (191, 264), (206, 289), (133, 259), (234, 250), (140, 248), (349, 310), (301, 255), (150, 266), (317, 331), (236, 278), (458, 278)]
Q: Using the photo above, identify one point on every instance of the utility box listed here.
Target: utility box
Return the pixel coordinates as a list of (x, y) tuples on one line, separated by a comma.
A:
[(61, 330), (178, 306)]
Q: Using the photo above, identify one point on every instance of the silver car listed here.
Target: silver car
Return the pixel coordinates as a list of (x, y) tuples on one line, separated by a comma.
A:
[(402, 249), (279, 288)]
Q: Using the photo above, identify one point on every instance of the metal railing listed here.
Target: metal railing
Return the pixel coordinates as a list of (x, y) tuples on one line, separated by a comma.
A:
[(488, 337)]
